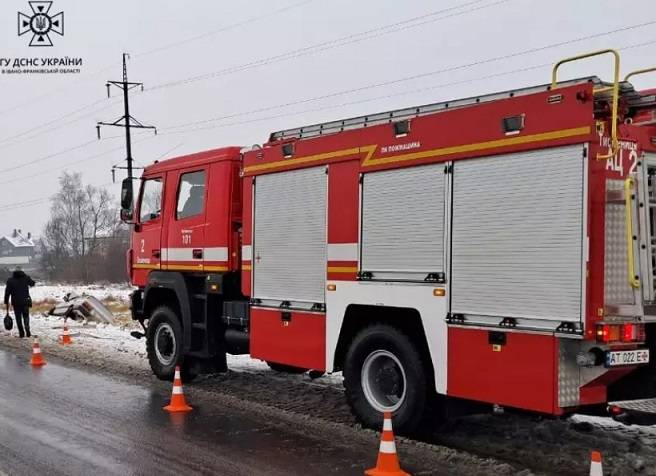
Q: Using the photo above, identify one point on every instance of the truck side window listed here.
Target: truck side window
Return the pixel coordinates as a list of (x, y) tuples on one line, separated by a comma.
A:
[(151, 200), (191, 194)]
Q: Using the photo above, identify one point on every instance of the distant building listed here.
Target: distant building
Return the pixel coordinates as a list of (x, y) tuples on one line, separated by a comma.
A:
[(16, 249)]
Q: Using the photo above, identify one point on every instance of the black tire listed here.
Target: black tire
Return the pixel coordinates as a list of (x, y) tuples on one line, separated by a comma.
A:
[(384, 340), (286, 369), (169, 342)]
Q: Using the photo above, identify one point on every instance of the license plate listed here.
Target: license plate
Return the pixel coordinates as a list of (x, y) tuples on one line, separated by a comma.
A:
[(627, 357)]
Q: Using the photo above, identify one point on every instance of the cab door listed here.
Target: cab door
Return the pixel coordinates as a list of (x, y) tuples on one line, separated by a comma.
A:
[(185, 240), (147, 235)]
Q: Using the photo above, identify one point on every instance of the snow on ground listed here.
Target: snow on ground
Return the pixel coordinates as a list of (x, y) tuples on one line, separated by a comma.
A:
[(560, 444), (119, 292), (107, 342), (114, 342)]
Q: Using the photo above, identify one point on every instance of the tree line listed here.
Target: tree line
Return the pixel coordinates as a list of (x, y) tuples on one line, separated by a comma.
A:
[(84, 240)]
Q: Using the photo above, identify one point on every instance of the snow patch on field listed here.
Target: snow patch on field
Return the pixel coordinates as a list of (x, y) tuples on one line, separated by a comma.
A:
[(58, 291)]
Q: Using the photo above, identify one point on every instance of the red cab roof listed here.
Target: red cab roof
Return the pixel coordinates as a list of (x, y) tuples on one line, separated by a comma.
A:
[(197, 158)]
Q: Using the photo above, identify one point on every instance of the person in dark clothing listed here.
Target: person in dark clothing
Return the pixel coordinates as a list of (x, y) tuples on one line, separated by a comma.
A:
[(18, 290)]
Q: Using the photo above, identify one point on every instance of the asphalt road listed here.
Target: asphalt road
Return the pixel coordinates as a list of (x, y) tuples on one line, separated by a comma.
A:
[(60, 420)]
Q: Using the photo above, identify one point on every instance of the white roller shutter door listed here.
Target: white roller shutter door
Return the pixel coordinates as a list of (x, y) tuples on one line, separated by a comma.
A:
[(403, 222), (518, 235), (289, 239)]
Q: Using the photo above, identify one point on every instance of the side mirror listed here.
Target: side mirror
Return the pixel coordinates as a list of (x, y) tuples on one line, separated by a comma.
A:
[(126, 215), (127, 196)]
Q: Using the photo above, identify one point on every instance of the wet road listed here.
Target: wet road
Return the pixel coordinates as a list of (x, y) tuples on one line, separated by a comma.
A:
[(59, 420)]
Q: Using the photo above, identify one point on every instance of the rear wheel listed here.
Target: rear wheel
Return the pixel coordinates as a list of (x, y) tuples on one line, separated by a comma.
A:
[(383, 372), (164, 344), (286, 369)]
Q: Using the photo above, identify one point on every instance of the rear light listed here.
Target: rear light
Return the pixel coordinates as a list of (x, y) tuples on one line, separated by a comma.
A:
[(628, 332), (603, 333)]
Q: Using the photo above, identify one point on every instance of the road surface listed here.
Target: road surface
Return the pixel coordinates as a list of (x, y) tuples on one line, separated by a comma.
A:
[(60, 420)]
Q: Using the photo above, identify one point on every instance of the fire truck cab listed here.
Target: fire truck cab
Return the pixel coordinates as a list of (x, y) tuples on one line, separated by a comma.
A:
[(496, 249)]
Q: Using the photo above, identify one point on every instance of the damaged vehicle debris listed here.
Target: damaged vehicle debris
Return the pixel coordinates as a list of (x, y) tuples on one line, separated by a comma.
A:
[(82, 308)]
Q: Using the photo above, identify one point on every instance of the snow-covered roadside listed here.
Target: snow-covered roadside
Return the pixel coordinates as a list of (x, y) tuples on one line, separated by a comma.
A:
[(113, 349), (107, 343), (58, 291)]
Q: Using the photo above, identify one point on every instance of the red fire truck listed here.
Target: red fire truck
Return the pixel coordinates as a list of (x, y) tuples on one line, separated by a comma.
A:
[(496, 249)]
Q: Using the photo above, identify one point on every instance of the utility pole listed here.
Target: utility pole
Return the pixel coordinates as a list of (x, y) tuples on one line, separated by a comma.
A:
[(126, 120)]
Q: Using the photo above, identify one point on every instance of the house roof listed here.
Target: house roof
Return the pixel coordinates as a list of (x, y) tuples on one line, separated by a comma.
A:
[(19, 240)]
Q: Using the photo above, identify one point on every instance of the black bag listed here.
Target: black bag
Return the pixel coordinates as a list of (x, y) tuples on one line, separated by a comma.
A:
[(9, 322)]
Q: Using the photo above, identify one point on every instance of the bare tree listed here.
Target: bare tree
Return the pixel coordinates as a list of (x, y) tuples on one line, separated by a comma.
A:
[(76, 238)]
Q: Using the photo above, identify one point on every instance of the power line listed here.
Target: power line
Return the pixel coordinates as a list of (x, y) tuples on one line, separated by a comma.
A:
[(225, 28), (338, 42), (186, 130), (38, 201), (58, 126), (52, 93), (161, 156), (387, 96), (413, 77), (55, 154), (9, 138), (74, 162)]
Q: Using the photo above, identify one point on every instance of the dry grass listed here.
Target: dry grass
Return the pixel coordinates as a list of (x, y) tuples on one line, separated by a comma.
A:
[(115, 305), (43, 306)]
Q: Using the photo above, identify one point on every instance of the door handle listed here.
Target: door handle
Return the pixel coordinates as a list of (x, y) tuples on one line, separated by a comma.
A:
[(157, 253), (197, 253)]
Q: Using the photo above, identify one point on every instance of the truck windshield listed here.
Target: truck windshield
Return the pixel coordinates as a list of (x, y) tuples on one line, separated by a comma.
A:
[(151, 200)]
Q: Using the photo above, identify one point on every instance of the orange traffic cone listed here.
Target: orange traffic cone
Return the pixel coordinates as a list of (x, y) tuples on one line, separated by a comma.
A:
[(178, 403), (37, 358), (595, 464), (388, 461), (65, 338)]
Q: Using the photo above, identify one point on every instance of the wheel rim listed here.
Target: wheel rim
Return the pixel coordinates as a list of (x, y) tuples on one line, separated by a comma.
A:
[(165, 344), (383, 381)]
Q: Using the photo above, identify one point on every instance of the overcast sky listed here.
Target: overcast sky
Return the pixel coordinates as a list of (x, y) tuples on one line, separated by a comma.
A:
[(175, 40)]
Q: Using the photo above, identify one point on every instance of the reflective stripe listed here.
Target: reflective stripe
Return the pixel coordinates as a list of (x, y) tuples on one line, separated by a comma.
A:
[(246, 253), (218, 253), (342, 251), (387, 425), (177, 375), (36, 350), (177, 390), (387, 447), (179, 254)]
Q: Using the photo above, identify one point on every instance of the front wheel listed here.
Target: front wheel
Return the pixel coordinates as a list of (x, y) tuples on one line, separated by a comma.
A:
[(383, 372), (164, 344)]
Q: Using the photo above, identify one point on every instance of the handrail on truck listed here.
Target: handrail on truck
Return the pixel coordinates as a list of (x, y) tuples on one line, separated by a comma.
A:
[(639, 71), (615, 144), (634, 281)]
